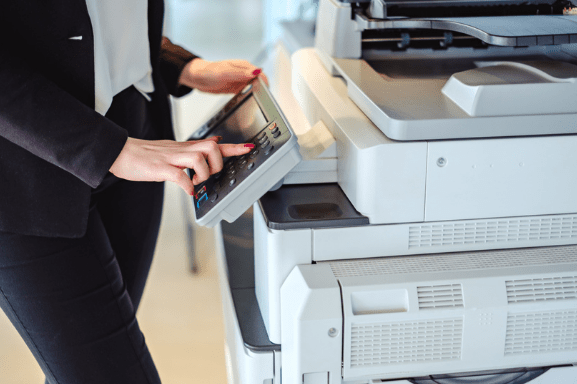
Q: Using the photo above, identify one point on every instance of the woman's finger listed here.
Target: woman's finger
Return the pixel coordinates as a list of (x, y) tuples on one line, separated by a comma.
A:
[(179, 177), (228, 150), (240, 63), (200, 168), (216, 139), (211, 152)]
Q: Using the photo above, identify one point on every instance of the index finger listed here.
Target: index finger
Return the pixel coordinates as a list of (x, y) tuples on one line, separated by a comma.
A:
[(228, 150)]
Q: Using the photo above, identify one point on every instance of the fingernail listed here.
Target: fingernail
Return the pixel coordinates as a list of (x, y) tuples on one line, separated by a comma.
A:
[(251, 146), (257, 72)]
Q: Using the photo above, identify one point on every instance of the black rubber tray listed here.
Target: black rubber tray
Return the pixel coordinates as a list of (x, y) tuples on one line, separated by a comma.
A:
[(309, 206)]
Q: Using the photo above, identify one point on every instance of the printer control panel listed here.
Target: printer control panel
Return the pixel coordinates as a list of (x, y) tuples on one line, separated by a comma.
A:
[(252, 116)]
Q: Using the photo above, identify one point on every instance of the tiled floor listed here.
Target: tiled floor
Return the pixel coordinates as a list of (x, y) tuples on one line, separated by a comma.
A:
[(180, 314)]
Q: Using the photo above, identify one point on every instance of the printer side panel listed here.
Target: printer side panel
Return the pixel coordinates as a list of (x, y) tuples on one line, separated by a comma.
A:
[(477, 179)]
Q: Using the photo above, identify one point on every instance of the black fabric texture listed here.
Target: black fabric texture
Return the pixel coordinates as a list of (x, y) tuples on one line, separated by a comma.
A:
[(176, 59), (74, 300), (54, 148)]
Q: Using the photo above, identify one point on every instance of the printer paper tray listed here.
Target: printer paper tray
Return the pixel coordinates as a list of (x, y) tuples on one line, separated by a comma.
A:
[(512, 31)]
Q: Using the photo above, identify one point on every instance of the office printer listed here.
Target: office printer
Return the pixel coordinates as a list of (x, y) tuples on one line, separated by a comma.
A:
[(430, 233)]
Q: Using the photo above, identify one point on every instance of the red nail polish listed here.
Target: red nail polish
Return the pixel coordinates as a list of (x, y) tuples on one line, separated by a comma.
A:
[(257, 72), (251, 146)]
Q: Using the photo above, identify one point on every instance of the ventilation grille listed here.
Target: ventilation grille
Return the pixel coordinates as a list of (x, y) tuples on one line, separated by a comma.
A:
[(454, 262), (440, 296), (531, 333), (546, 289), (493, 231), (410, 342)]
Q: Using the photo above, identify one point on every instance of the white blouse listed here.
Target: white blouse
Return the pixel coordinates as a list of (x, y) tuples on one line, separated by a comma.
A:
[(121, 48)]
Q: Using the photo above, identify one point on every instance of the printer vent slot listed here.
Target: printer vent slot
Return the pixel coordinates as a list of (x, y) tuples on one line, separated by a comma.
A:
[(454, 261), (544, 289), (541, 332), (493, 231), (440, 296), (408, 342)]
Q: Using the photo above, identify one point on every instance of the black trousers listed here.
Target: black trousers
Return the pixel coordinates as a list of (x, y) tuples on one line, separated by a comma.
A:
[(74, 301)]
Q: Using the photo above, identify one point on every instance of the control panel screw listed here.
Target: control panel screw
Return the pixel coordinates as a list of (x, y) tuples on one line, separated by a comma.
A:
[(441, 161), (333, 332)]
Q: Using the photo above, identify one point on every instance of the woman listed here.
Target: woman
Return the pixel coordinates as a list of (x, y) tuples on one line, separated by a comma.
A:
[(85, 133)]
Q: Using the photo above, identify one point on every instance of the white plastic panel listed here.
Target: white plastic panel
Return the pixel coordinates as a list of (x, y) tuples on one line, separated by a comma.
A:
[(383, 179), (447, 236), (511, 88), (500, 178), (276, 254), (312, 325), (470, 325), (242, 365)]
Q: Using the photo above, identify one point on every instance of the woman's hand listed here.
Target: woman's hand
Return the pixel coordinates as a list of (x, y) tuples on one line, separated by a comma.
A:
[(165, 160), (228, 76)]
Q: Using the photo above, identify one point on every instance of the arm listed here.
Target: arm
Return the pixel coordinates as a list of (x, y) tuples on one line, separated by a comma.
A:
[(44, 119), (182, 71), (173, 60)]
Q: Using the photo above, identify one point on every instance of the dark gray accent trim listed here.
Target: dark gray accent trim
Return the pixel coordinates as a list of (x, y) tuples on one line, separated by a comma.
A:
[(309, 206)]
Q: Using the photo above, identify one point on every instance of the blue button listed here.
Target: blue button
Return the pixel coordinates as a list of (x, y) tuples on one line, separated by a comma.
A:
[(202, 199)]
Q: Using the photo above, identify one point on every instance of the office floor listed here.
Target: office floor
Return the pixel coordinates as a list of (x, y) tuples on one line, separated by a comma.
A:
[(180, 314)]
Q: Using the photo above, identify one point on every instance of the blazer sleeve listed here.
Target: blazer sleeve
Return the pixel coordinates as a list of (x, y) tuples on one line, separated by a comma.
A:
[(173, 59), (42, 118)]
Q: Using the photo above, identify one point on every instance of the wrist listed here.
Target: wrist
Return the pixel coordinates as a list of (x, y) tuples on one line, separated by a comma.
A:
[(192, 73)]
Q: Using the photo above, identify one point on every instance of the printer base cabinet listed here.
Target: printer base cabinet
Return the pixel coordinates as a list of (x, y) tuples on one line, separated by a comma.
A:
[(509, 316)]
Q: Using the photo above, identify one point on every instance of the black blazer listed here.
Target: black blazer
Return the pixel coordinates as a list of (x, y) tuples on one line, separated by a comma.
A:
[(53, 146)]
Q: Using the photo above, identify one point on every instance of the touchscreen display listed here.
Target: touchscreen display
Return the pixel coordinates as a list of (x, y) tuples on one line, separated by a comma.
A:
[(243, 124)]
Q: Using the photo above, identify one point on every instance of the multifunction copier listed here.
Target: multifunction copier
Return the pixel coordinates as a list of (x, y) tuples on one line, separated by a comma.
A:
[(429, 235)]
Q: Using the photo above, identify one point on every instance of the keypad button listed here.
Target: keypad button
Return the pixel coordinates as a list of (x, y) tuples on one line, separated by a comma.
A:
[(201, 200), (232, 182), (262, 140), (275, 130), (253, 154), (242, 163), (200, 189), (265, 144), (272, 126), (217, 186), (213, 197), (250, 166), (263, 134), (217, 175), (277, 134), (268, 150), (231, 172)]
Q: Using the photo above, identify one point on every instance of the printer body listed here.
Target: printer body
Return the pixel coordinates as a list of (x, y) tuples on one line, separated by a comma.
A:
[(430, 233)]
